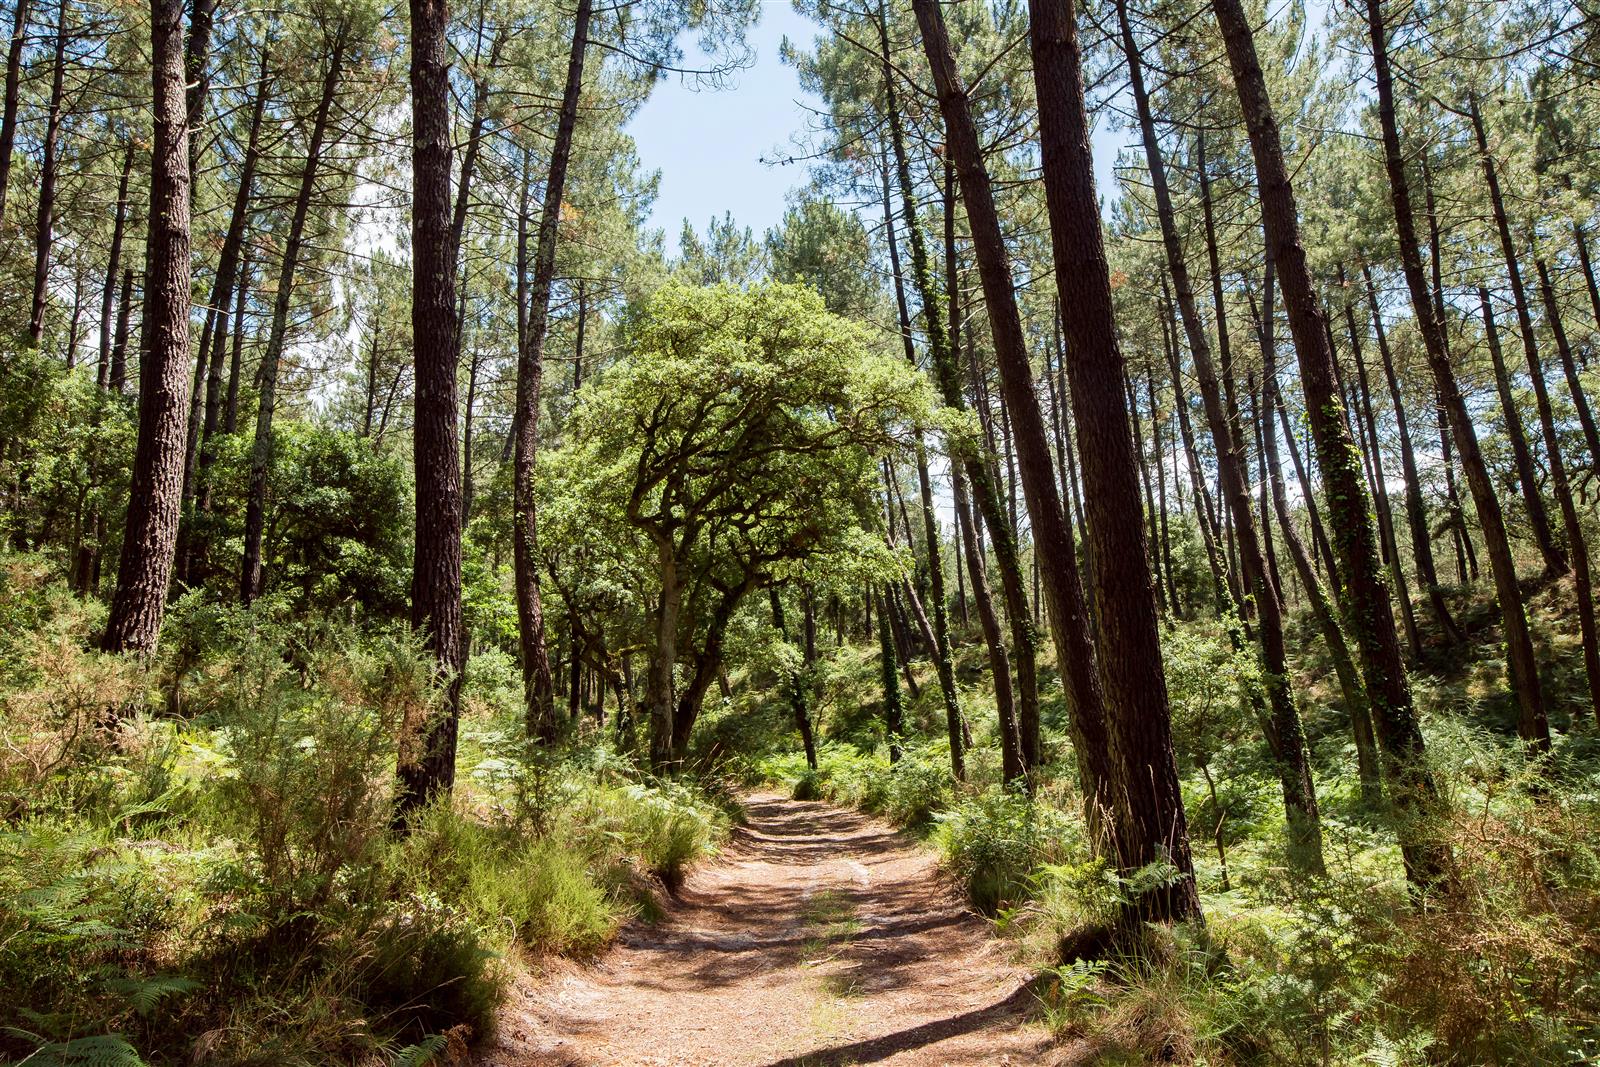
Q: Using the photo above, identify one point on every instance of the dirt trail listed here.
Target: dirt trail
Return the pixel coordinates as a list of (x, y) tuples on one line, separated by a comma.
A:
[(820, 937)]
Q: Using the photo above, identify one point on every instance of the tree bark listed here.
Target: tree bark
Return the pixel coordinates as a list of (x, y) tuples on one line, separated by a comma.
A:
[(1368, 768), (538, 685), (1052, 541), (1379, 482), (1369, 614), (151, 529), (1285, 733), (1151, 825), (108, 294), (427, 763), (13, 96), (1416, 511), (1558, 330)]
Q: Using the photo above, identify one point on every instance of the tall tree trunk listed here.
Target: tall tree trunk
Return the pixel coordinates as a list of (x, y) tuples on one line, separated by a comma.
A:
[(151, 529), (1285, 733), (538, 686), (13, 96), (1368, 768), (108, 295), (1577, 545), (117, 380), (1369, 614), (1151, 824), (474, 368), (930, 521), (44, 231), (202, 413), (255, 515), (241, 294), (1205, 517), (1069, 620), (1152, 529), (944, 355), (427, 762)]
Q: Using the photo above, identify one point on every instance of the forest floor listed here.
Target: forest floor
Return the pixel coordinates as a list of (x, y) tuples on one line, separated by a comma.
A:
[(819, 937)]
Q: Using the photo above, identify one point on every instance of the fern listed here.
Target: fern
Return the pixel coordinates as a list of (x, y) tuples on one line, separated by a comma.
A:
[(422, 1054), (144, 994), (104, 1050)]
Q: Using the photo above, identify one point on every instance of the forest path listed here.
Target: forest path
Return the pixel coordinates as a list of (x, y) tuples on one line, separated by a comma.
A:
[(819, 937)]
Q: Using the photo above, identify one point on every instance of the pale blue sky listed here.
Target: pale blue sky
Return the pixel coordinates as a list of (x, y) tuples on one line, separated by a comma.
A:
[(709, 144)]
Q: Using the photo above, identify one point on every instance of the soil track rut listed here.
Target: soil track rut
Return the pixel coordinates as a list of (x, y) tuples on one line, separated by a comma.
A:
[(820, 937)]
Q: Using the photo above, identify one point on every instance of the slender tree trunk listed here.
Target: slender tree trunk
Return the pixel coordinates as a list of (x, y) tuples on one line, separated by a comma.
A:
[(1380, 491), (1151, 824), (241, 294), (250, 577), (660, 694), (1011, 768), (1581, 238), (118, 378), (1205, 518), (538, 686), (474, 367), (1555, 560), (427, 762), (1416, 511), (1558, 330), (1369, 614), (13, 96), (930, 523), (1285, 733), (1368, 768), (108, 294), (44, 231), (893, 712), (1161, 490), (1152, 527), (944, 355), (151, 529), (1051, 538)]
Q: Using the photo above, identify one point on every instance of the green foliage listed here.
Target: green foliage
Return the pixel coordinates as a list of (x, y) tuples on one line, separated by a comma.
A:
[(338, 519), (225, 886)]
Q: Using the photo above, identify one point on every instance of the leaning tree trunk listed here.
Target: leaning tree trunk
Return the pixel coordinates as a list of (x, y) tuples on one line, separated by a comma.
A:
[(151, 530), (942, 350), (1285, 733), (1322, 607), (1368, 610), (1520, 663), (427, 763), (537, 683), (1052, 542), (1151, 826)]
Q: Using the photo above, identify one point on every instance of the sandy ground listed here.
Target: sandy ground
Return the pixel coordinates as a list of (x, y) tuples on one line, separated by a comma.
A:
[(820, 937)]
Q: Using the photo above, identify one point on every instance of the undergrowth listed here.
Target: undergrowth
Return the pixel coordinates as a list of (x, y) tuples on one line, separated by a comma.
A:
[(223, 886)]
